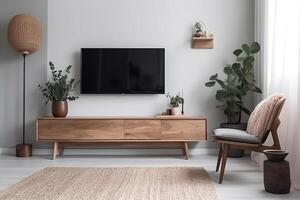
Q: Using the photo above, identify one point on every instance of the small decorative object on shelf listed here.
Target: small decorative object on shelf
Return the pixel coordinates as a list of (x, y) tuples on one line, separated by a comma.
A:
[(201, 38), (174, 103), (198, 29), (58, 90), (276, 172)]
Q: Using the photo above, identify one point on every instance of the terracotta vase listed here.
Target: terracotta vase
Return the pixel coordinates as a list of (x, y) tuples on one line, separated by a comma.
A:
[(59, 108), (175, 111)]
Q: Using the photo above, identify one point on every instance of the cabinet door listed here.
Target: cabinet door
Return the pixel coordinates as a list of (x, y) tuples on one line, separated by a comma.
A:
[(142, 129), (87, 129), (183, 129)]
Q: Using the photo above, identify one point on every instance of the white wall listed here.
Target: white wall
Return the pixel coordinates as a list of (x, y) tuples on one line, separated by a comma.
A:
[(11, 74), (73, 24)]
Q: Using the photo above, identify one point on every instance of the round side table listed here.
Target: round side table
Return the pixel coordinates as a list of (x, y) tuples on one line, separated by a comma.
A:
[(277, 177)]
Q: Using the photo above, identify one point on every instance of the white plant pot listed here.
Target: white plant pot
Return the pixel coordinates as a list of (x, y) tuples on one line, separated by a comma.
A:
[(175, 111)]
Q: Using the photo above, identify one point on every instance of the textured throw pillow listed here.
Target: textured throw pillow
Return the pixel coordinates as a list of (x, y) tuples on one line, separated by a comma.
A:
[(261, 118)]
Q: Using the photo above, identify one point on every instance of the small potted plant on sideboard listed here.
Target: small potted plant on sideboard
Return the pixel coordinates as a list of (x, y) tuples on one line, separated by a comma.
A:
[(59, 90), (238, 82), (175, 101)]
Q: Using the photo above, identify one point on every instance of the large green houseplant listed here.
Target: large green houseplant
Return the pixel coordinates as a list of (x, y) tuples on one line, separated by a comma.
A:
[(238, 82), (59, 90)]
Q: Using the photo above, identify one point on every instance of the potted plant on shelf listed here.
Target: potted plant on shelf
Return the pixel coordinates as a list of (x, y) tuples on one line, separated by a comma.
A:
[(59, 90), (198, 29), (238, 82), (175, 101)]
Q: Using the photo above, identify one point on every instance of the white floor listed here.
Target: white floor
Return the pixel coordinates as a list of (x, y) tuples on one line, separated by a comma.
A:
[(242, 178)]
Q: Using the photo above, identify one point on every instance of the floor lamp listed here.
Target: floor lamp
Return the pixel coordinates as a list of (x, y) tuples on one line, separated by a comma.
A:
[(24, 35)]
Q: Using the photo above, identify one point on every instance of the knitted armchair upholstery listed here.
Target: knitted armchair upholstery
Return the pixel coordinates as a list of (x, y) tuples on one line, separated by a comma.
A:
[(263, 116)]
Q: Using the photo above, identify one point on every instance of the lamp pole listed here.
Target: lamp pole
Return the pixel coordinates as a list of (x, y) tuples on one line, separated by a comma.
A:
[(24, 86), (182, 106), (24, 150)]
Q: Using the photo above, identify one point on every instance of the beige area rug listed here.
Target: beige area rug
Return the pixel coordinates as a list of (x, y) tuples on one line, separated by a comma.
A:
[(114, 184)]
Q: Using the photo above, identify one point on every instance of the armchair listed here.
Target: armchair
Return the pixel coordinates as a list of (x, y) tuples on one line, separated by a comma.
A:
[(263, 121)]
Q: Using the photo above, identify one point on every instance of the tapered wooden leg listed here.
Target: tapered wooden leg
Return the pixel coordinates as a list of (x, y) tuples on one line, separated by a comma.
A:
[(219, 158), (55, 148), (224, 158), (186, 150)]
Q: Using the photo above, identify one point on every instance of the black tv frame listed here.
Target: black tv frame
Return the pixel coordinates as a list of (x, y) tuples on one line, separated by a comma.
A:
[(133, 93)]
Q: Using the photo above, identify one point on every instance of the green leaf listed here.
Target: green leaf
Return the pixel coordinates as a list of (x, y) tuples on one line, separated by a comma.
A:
[(221, 92), (237, 70), (254, 88), (255, 47), (258, 90), (228, 70), (236, 67), (210, 84), (213, 77), (222, 84), (248, 67), (250, 76), (244, 70), (238, 52), (246, 49), (249, 59), (220, 95), (231, 79)]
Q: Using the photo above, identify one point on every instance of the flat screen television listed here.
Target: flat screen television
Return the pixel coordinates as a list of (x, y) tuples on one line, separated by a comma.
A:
[(122, 71)]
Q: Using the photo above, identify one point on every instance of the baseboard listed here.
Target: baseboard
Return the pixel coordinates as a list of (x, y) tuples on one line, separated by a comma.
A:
[(73, 151)]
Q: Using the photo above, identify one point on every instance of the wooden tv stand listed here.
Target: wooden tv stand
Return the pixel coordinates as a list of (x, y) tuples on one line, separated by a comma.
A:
[(90, 131)]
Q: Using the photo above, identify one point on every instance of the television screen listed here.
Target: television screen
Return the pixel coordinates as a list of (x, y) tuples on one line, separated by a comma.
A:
[(122, 70)]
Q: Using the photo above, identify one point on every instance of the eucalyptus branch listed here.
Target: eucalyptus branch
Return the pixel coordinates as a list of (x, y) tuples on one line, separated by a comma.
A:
[(60, 87)]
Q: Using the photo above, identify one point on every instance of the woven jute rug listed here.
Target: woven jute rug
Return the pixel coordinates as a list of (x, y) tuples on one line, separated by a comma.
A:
[(114, 184)]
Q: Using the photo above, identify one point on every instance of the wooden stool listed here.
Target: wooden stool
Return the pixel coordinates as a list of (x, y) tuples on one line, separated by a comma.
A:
[(277, 177)]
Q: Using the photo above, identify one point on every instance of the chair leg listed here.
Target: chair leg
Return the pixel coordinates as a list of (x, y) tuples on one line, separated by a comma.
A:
[(219, 158), (224, 158)]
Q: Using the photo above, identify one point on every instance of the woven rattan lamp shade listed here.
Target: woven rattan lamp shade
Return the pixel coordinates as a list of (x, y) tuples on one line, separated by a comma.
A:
[(24, 33)]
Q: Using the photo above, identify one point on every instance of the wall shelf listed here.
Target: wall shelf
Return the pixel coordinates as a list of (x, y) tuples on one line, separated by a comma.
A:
[(203, 42)]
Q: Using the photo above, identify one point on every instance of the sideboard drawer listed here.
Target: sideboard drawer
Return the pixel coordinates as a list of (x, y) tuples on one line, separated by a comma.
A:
[(80, 129), (142, 129), (183, 129)]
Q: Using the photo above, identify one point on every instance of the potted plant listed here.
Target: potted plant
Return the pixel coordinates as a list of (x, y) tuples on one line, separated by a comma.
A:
[(238, 82), (59, 90), (174, 103), (198, 29)]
